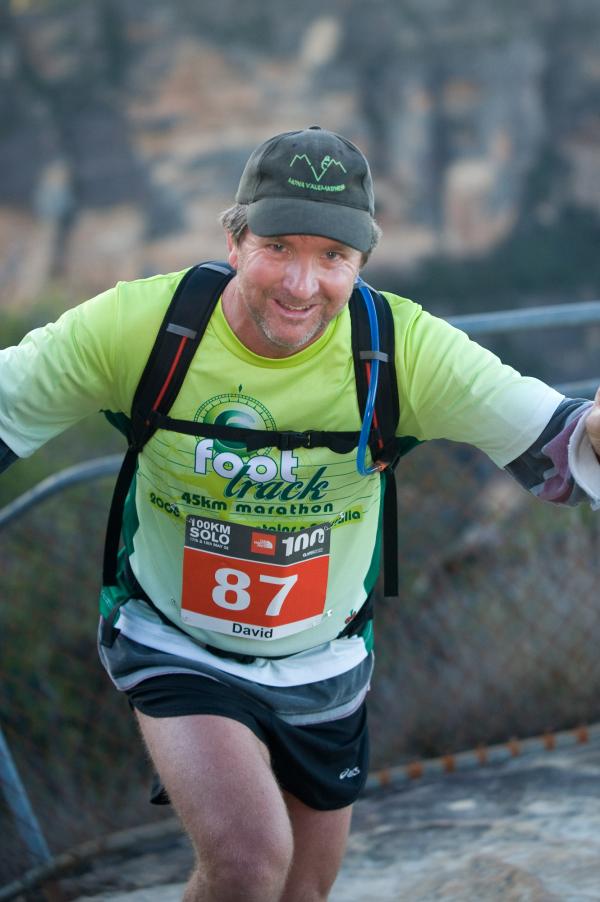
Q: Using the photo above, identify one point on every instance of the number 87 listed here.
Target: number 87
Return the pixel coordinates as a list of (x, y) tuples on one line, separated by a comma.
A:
[(230, 581)]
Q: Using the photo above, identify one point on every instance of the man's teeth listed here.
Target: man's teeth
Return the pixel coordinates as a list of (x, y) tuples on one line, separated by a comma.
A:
[(294, 307)]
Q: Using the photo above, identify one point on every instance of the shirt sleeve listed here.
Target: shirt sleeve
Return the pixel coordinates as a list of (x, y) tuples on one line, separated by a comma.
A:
[(59, 374), (555, 467), (451, 387)]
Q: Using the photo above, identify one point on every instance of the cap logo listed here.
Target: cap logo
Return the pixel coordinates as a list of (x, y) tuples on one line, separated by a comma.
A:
[(326, 164)]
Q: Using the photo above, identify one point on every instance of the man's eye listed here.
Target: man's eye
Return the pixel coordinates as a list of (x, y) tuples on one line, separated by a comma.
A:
[(332, 255), (276, 247)]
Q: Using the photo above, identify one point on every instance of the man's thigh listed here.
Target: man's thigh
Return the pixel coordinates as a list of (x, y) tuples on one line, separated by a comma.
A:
[(218, 776)]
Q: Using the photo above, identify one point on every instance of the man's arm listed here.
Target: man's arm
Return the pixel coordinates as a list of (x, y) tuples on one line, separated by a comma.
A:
[(7, 457), (57, 375), (561, 466), (452, 388)]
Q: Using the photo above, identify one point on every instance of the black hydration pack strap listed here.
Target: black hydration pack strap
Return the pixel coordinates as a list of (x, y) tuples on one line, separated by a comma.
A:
[(382, 442), (253, 439), (179, 335), (384, 446)]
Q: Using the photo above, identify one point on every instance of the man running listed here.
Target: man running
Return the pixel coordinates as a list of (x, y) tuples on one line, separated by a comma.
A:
[(242, 615)]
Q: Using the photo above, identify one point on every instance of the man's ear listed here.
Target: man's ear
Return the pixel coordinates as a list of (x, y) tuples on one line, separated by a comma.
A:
[(232, 251)]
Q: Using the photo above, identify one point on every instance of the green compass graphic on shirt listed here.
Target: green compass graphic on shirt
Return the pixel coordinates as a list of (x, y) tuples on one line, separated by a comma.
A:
[(235, 409)]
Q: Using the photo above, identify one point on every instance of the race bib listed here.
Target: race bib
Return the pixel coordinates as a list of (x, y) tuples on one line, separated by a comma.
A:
[(248, 582)]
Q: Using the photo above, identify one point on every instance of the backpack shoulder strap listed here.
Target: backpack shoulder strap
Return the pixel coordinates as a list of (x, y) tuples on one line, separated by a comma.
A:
[(176, 342), (385, 446), (382, 442)]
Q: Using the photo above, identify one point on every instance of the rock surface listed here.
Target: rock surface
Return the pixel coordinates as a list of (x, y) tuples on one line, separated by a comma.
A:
[(527, 830), (132, 120)]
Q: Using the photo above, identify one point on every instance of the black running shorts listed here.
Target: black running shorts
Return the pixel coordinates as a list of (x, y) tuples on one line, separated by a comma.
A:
[(324, 765)]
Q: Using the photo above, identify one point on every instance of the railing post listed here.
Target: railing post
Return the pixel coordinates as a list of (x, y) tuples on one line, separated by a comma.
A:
[(16, 797)]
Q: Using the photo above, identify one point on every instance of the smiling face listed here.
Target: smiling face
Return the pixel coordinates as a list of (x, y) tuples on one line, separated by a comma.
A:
[(287, 289)]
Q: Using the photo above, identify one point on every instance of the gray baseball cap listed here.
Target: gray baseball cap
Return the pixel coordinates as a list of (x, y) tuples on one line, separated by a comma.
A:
[(310, 182)]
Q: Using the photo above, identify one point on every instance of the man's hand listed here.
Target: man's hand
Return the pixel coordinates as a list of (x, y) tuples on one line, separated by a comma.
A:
[(592, 424)]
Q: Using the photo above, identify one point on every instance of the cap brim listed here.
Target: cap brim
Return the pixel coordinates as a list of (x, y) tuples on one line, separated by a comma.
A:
[(295, 216)]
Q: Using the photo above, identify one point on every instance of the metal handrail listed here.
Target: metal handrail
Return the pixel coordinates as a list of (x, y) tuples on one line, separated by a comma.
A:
[(84, 472), (12, 787), (547, 317)]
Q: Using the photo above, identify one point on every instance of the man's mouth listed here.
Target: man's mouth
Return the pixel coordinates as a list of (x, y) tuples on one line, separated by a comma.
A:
[(294, 308)]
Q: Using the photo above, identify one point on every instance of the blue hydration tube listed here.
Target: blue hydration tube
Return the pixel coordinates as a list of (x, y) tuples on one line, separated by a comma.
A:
[(365, 429)]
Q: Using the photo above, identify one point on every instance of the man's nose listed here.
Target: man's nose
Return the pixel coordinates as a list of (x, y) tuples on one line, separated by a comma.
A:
[(301, 279)]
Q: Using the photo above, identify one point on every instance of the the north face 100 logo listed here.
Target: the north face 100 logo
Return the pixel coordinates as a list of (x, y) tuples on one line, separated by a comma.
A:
[(263, 543)]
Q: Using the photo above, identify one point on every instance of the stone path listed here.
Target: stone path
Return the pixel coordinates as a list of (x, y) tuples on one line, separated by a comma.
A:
[(526, 830)]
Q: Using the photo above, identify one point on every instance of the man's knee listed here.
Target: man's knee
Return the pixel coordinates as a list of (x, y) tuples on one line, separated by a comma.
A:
[(248, 866)]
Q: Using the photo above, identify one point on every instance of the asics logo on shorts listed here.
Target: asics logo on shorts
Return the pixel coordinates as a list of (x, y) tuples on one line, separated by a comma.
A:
[(350, 772)]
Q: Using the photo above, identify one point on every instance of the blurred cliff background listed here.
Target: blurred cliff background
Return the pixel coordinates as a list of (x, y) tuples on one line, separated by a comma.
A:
[(125, 125)]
